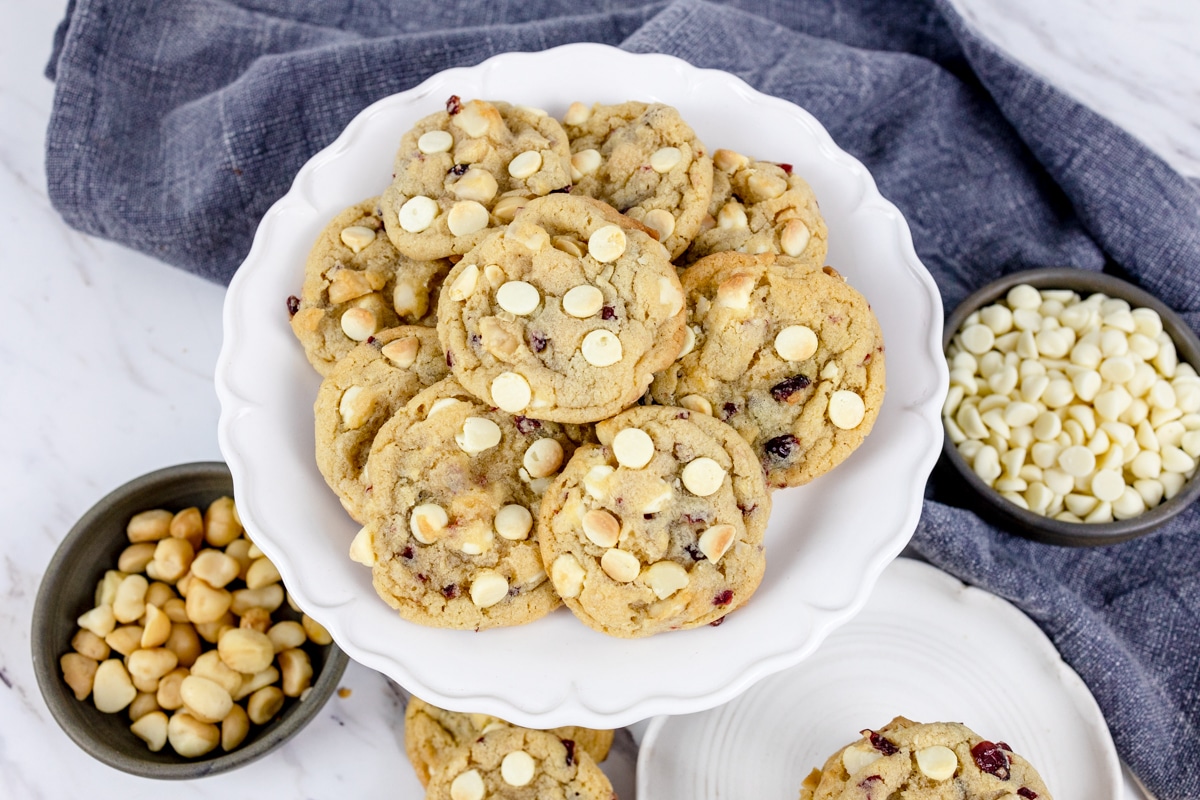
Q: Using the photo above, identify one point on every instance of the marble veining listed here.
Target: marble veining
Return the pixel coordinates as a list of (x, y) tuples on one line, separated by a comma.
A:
[(108, 359)]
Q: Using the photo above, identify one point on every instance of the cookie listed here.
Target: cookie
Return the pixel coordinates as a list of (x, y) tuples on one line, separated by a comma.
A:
[(455, 486), (930, 761), (365, 389), (355, 284), (646, 161), (462, 172), (659, 526), (519, 764), (565, 315), (432, 733), (760, 207), (787, 353)]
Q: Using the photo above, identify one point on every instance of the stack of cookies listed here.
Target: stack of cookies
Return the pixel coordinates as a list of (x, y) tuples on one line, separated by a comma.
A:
[(568, 362)]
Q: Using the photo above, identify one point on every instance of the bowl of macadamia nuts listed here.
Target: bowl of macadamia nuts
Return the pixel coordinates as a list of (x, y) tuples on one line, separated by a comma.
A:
[(1074, 405), (163, 640)]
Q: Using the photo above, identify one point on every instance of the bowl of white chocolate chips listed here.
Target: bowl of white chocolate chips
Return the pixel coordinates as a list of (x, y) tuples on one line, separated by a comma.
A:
[(164, 642), (1074, 405)]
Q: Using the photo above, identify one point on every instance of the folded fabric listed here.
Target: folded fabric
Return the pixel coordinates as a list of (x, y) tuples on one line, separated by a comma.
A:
[(177, 124)]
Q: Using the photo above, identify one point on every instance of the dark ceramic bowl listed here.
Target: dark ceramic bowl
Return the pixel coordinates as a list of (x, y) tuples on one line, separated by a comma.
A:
[(1048, 529), (67, 590)]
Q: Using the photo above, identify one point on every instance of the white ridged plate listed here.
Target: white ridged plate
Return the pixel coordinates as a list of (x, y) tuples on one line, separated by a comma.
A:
[(827, 542), (925, 647)]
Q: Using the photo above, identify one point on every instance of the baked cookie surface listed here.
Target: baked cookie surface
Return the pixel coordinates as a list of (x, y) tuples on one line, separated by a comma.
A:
[(455, 486), (787, 353), (925, 761), (356, 284), (659, 526), (519, 764), (646, 161), (432, 733), (460, 173), (366, 387), (760, 207), (565, 315)]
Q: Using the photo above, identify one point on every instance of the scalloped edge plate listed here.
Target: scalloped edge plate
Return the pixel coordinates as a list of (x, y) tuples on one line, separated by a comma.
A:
[(826, 545), (926, 647)]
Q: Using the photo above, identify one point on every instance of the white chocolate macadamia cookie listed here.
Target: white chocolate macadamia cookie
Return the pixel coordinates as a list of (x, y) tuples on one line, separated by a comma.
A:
[(565, 315), (659, 527), (461, 173)]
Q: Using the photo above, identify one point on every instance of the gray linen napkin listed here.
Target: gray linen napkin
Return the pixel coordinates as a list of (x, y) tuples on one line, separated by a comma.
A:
[(176, 125)]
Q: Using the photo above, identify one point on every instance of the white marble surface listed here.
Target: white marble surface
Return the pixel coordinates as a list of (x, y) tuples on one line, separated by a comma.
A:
[(107, 360)]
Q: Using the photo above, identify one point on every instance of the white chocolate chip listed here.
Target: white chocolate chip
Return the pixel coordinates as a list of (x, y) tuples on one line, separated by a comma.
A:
[(518, 297), (734, 292), (766, 186), (476, 540), (857, 758), (607, 243), (601, 528), (694, 402), (794, 237), (595, 481), (359, 324), (427, 522), (619, 565), (488, 588), (567, 576), (732, 216), (796, 343), (507, 207), (601, 348), (355, 407), (532, 237), (689, 342), (729, 160), (716, 540), (577, 114), (661, 222), (1107, 485), (357, 237), (846, 409), (585, 163), (475, 184), (511, 392), (435, 142), (633, 448), (543, 458), (466, 217), (670, 295), (362, 549), (525, 164), (518, 768), (441, 405), (583, 301), (472, 118), (664, 159), (407, 301), (402, 352), (417, 213), (977, 339), (477, 434), (660, 500), (465, 283), (937, 762), (467, 786), (665, 578), (513, 522), (703, 476)]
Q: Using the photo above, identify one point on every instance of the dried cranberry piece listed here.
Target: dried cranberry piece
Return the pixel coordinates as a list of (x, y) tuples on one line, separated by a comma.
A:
[(526, 425), (453, 105), (747, 510), (781, 447), (786, 168), (881, 743), (693, 551), (562, 189), (1027, 793), (865, 783), (422, 577), (570, 745), (608, 312), (407, 553), (728, 410), (476, 340), (724, 598), (293, 305), (537, 341), (695, 518), (647, 516), (716, 622), (450, 591), (990, 758), (449, 359), (1004, 746), (459, 170), (785, 389)]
